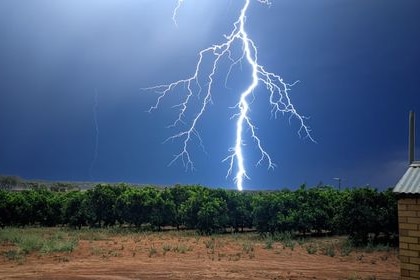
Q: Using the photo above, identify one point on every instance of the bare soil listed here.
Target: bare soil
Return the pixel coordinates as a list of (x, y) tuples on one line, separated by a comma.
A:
[(178, 256)]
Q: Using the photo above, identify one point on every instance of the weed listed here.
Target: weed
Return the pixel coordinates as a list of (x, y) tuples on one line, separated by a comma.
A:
[(235, 257), (289, 244), (311, 249), (286, 238), (210, 243), (114, 254), (137, 238), (346, 248), (14, 255), (30, 243), (166, 248), (50, 246), (97, 251), (152, 251), (248, 247), (384, 258), (197, 238), (371, 247), (8, 234), (92, 234), (269, 243), (353, 277), (283, 236), (301, 241), (181, 248), (330, 250), (62, 259)]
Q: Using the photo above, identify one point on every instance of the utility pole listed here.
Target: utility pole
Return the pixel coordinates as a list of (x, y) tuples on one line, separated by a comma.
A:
[(339, 182)]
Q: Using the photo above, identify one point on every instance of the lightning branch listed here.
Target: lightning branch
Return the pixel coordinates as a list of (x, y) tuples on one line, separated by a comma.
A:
[(277, 89)]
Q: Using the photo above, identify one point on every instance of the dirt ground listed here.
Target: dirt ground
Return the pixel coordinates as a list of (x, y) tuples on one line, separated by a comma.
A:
[(174, 256)]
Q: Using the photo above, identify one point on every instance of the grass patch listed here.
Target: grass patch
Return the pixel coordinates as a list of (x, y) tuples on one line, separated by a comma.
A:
[(93, 234), (44, 240), (286, 238), (371, 247), (66, 246)]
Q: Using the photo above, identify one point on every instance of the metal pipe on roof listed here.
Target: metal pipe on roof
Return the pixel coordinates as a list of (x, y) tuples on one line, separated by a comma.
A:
[(411, 137)]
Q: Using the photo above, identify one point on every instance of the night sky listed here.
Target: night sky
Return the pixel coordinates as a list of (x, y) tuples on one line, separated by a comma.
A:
[(358, 63)]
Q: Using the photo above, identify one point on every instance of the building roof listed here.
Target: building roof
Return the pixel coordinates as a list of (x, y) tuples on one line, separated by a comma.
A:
[(410, 181)]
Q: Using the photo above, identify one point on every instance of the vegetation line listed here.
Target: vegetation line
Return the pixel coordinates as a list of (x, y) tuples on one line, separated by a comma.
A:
[(365, 214)]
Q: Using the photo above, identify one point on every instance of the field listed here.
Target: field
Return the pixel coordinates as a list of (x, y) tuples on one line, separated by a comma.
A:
[(56, 253)]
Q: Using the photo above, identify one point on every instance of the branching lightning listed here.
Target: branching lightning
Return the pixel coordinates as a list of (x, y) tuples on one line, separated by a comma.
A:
[(277, 89)]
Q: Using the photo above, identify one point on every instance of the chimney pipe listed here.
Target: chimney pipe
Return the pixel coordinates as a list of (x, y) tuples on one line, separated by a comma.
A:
[(411, 137)]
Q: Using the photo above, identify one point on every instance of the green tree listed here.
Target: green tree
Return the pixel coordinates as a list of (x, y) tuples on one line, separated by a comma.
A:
[(131, 203), (366, 213), (205, 211), (76, 209), (9, 182), (179, 195), (239, 206), (102, 201), (20, 209), (5, 208), (265, 212)]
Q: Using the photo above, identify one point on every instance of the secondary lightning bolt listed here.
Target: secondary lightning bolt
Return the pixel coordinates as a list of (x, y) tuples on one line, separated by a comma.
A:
[(95, 119), (277, 89), (175, 13)]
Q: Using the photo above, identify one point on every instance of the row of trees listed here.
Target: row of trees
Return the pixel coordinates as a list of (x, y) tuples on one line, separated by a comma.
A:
[(16, 183), (360, 213)]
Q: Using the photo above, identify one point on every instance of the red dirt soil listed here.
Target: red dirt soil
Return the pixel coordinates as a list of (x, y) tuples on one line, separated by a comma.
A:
[(168, 256)]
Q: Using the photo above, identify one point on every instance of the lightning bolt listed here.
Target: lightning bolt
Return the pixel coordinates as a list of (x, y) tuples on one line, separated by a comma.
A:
[(277, 88), (175, 13), (95, 119)]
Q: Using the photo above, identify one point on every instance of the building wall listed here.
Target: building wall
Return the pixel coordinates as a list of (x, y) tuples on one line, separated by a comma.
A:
[(409, 229)]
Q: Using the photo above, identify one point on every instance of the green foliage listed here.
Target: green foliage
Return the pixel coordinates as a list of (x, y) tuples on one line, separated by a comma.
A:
[(75, 209), (205, 211), (102, 201), (5, 208), (365, 214)]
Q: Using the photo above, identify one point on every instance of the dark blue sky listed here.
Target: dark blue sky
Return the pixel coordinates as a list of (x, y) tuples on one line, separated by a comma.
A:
[(357, 62)]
